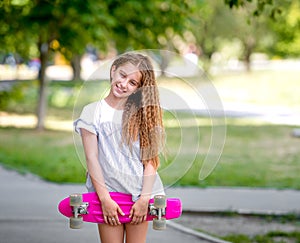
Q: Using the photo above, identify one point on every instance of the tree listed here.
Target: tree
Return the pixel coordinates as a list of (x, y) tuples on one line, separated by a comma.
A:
[(272, 6), (209, 24), (286, 32), (150, 24), (245, 20), (68, 26), (94, 27), (13, 38), (71, 24), (251, 31), (282, 27)]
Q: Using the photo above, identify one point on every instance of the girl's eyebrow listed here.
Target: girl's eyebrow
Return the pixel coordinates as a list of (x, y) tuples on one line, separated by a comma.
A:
[(122, 71), (125, 73)]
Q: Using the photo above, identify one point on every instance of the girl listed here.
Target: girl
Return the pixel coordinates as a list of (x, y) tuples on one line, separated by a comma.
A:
[(122, 136)]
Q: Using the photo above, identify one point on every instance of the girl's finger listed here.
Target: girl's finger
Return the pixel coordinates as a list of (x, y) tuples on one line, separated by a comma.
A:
[(131, 213), (120, 211), (105, 219)]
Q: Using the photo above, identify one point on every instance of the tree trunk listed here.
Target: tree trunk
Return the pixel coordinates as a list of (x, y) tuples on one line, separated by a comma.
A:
[(248, 63), (248, 53), (165, 60), (42, 104), (76, 66), (248, 50)]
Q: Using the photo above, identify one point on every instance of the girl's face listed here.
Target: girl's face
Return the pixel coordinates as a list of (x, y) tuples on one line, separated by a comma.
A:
[(125, 80)]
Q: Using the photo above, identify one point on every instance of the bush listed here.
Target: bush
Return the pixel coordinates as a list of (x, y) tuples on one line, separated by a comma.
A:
[(18, 96)]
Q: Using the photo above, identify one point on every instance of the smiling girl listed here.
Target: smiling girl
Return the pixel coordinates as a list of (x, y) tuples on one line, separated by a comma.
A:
[(122, 136)]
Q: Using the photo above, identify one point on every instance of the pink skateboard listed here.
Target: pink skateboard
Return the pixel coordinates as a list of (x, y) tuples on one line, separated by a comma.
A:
[(87, 207)]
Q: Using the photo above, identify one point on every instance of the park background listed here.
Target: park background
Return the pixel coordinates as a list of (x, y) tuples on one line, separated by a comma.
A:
[(249, 51)]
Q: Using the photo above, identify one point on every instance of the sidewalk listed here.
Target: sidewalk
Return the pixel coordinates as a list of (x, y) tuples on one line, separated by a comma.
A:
[(239, 200), (29, 214), (29, 210)]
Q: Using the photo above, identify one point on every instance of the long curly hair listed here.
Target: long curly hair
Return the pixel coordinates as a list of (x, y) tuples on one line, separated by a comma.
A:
[(142, 117)]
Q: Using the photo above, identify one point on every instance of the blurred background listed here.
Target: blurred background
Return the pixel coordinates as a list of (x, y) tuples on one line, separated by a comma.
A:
[(248, 50)]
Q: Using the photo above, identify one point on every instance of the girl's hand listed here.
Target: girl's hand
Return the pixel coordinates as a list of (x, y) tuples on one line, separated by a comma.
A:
[(110, 211), (139, 210)]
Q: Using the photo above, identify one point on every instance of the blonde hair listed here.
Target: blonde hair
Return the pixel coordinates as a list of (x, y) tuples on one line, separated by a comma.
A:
[(142, 117)]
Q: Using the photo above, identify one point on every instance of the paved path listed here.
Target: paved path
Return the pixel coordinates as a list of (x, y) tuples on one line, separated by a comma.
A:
[(240, 200), (29, 214), (29, 210)]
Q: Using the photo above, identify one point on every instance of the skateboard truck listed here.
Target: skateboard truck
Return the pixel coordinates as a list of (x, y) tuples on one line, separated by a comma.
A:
[(158, 209), (79, 208)]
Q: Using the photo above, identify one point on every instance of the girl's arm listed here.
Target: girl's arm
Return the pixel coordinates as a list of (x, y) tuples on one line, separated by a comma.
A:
[(109, 207), (139, 210)]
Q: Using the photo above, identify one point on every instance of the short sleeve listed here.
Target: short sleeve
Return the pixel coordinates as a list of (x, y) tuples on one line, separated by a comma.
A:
[(88, 118)]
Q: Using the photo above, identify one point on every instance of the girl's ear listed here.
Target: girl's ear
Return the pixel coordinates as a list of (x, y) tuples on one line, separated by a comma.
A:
[(112, 71)]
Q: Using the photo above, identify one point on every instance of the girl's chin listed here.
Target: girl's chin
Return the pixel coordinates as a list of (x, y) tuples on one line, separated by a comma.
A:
[(120, 95)]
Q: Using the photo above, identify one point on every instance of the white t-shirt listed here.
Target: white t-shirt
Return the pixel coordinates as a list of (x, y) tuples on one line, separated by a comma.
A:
[(122, 168)]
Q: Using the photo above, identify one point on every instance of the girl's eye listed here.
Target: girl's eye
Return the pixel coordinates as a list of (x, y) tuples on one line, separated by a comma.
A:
[(133, 83)]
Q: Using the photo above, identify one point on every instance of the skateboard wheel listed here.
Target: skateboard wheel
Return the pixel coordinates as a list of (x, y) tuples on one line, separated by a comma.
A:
[(75, 199), (159, 224), (160, 201), (76, 223)]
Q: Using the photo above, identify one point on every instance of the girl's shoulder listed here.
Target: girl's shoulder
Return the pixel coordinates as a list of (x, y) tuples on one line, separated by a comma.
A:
[(91, 111), (93, 107)]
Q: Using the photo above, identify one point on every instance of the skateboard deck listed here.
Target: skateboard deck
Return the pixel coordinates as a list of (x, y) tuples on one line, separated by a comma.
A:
[(87, 207)]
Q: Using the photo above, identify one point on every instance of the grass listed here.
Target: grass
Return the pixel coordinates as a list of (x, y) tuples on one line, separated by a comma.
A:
[(49, 154), (255, 154), (270, 237), (259, 155)]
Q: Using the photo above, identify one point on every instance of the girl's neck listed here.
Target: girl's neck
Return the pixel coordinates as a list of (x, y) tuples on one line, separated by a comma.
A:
[(117, 104)]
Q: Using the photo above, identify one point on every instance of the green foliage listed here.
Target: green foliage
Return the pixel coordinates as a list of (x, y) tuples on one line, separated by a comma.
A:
[(69, 26), (286, 32), (62, 95), (151, 24), (74, 24), (21, 96), (18, 96), (4, 98), (261, 6)]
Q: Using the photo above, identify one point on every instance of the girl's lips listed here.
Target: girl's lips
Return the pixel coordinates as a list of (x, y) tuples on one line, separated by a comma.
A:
[(119, 90)]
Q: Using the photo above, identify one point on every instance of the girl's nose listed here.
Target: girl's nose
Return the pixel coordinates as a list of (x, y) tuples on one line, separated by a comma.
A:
[(123, 83)]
